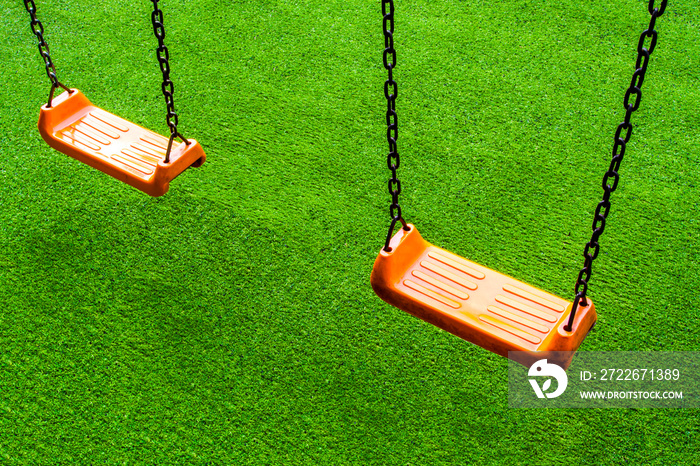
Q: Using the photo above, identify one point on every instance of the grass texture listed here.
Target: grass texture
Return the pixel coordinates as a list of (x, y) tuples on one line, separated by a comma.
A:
[(232, 322)]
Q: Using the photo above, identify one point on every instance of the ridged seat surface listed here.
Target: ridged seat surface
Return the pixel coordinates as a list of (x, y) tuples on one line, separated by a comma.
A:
[(113, 145), (473, 302), (119, 142)]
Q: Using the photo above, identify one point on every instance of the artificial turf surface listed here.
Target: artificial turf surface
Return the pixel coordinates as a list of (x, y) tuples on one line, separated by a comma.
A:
[(232, 322)]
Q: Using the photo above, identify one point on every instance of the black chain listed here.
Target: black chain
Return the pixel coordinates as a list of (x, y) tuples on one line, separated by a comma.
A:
[(392, 120), (167, 86), (612, 177), (38, 30)]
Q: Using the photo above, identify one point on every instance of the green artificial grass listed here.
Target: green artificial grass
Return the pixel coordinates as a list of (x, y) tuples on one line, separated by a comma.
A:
[(232, 322)]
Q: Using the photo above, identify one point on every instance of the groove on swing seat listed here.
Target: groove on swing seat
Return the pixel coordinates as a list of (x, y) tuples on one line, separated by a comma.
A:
[(477, 304), (119, 148)]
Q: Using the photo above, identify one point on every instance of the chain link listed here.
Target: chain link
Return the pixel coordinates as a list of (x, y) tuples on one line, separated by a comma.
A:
[(391, 90), (38, 30), (612, 176), (167, 87)]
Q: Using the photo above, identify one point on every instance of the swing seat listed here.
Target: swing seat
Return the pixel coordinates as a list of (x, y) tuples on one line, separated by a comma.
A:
[(477, 304), (113, 145)]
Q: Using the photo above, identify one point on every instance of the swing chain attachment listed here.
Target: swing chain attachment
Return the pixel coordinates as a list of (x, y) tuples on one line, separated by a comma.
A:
[(167, 87), (38, 30), (392, 120), (612, 177)]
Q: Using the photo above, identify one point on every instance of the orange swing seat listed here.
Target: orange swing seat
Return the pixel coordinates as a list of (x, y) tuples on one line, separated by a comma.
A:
[(119, 148), (477, 304)]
